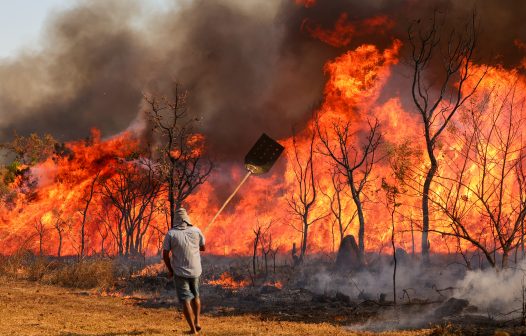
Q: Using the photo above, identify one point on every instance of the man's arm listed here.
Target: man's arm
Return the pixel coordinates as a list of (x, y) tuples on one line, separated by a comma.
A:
[(166, 258), (201, 240)]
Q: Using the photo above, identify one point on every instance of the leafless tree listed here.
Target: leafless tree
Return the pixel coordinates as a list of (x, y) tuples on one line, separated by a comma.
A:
[(353, 162), (110, 220), (132, 189), (303, 198), (255, 244), (266, 246), (337, 203), (403, 157), (41, 230), (60, 225), (488, 180), (392, 191), (273, 253), (180, 149), (88, 197), (438, 100)]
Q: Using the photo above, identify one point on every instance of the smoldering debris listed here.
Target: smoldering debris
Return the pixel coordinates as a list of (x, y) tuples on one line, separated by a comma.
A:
[(426, 295)]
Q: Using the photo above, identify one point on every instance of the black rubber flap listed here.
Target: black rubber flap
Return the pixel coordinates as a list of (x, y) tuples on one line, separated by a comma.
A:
[(263, 155)]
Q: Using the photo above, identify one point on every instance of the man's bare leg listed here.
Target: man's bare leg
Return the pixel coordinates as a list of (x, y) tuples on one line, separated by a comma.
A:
[(196, 305), (189, 315)]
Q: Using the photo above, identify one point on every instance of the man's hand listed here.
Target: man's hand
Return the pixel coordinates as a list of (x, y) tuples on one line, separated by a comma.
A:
[(166, 258)]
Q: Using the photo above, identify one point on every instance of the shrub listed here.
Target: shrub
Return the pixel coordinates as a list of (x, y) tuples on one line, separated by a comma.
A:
[(97, 273), (91, 273)]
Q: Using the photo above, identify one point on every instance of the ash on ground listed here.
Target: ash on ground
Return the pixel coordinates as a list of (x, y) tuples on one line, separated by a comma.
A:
[(321, 290)]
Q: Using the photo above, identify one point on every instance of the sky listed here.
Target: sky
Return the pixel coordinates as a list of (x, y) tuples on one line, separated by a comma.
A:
[(21, 21)]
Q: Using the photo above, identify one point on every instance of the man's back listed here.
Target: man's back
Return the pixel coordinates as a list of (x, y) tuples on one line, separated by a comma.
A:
[(184, 243)]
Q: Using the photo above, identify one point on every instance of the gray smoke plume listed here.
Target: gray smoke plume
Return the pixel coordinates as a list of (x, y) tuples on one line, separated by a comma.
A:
[(249, 65), (487, 292)]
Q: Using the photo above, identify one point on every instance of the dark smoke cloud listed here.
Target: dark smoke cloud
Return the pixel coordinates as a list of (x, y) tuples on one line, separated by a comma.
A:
[(89, 74), (249, 66)]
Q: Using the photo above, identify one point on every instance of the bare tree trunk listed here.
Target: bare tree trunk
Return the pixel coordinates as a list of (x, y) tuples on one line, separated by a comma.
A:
[(412, 238), (40, 238), (84, 213), (304, 239), (456, 56), (266, 263), (522, 239), (171, 196), (394, 253), (40, 229), (255, 250), (294, 253), (361, 219), (274, 252), (303, 199), (354, 163), (425, 207), (59, 249), (505, 259)]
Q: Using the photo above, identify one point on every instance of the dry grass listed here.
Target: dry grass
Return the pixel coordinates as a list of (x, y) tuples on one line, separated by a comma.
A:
[(35, 309), (92, 273), (88, 274)]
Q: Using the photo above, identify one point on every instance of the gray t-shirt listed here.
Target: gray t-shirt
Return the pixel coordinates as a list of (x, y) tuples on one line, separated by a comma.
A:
[(184, 244)]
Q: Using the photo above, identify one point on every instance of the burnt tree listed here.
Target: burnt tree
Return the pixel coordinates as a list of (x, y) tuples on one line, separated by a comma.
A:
[(437, 99), (353, 162), (41, 230), (337, 204), (60, 225), (255, 244), (487, 182), (132, 189), (302, 200), (180, 149), (88, 197)]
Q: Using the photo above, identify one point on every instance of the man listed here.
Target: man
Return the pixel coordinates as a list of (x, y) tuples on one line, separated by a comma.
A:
[(185, 242)]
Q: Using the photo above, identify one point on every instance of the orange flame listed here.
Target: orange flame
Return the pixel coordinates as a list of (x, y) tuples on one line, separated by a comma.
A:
[(356, 80), (226, 280)]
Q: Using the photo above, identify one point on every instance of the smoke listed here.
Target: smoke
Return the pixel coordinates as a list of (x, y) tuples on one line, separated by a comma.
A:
[(249, 66), (88, 74), (99, 58), (413, 279), (488, 292), (494, 291)]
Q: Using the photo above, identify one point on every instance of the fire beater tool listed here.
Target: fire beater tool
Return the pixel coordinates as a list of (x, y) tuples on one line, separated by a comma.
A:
[(259, 160)]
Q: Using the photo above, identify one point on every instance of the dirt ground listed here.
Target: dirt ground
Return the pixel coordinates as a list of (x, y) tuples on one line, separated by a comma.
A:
[(28, 308)]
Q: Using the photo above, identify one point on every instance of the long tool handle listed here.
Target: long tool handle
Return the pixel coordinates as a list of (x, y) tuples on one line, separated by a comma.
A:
[(230, 197)]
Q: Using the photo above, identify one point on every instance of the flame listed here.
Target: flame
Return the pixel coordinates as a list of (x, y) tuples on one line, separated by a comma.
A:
[(344, 30), (277, 284), (356, 81), (226, 280)]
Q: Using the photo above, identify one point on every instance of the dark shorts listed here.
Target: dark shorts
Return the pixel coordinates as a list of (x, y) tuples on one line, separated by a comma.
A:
[(187, 288)]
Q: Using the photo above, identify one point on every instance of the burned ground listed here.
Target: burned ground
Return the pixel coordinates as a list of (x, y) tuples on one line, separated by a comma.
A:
[(314, 299)]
